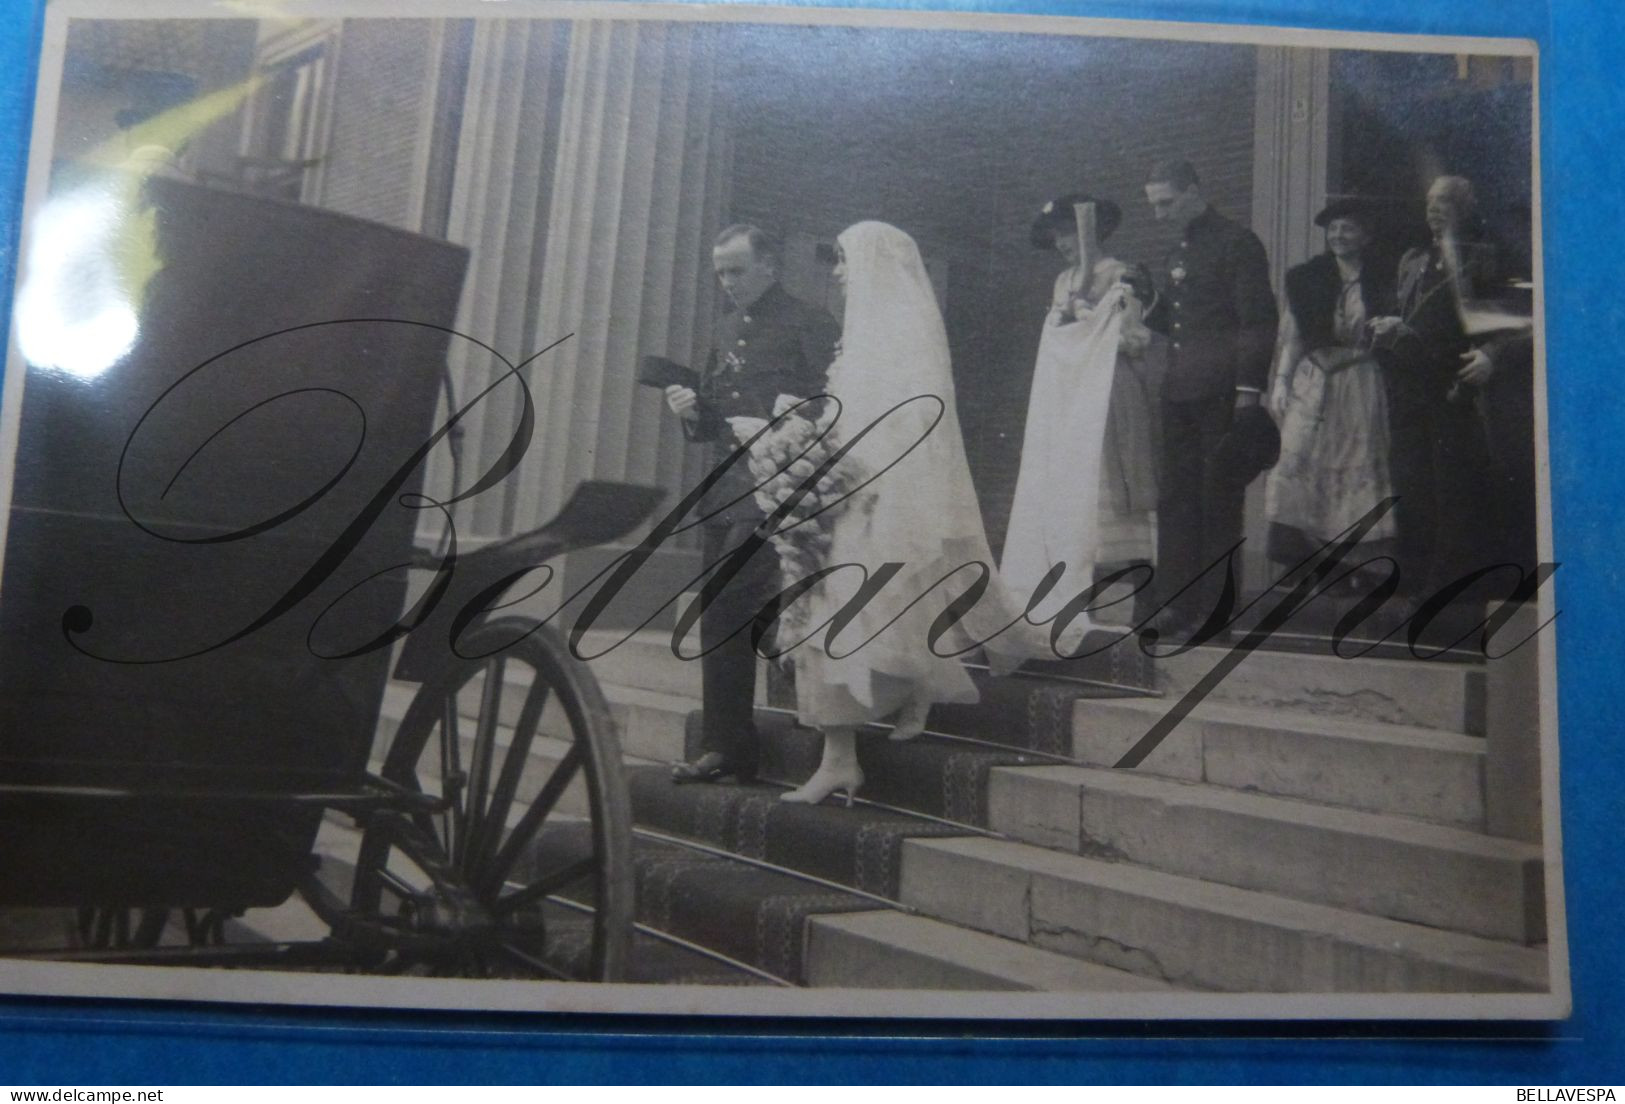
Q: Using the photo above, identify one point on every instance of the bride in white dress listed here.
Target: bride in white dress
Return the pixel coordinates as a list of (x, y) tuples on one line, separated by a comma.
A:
[(893, 373)]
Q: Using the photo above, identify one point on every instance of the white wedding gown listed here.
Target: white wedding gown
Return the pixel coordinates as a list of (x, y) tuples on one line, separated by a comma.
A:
[(1055, 516), (923, 513)]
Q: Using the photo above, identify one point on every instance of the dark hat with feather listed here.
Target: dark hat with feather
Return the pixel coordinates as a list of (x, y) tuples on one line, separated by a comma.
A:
[(1058, 217)]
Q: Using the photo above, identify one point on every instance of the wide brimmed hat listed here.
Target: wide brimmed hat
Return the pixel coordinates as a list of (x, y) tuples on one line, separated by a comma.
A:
[(1350, 207), (1057, 217)]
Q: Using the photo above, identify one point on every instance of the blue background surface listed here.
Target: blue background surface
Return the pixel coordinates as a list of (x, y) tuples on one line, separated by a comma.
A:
[(1582, 134)]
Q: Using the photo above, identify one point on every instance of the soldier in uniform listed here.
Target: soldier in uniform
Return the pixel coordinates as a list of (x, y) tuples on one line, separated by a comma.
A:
[(768, 344), (1215, 305)]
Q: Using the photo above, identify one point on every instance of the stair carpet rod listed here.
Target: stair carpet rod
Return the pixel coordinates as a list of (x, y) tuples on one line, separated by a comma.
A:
[(1026, 675), (803, 876), (1054, 757), (764, 864), (678, 941)]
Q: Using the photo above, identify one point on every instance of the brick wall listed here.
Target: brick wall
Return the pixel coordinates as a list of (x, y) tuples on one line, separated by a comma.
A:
[(959, 140)]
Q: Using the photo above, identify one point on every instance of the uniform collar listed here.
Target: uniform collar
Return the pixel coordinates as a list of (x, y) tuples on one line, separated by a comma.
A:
[(1204, 222), (769, 302)]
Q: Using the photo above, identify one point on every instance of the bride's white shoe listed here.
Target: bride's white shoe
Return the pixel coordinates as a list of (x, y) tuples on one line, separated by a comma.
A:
[(910, 720), (825, 782)]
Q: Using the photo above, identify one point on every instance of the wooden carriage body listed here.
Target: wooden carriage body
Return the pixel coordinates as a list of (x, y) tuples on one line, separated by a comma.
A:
[(181, 518)]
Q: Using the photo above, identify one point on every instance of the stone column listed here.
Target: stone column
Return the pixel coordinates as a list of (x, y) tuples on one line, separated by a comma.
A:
[(638, 192), (507, 142), (591, 166), (1291, 124)]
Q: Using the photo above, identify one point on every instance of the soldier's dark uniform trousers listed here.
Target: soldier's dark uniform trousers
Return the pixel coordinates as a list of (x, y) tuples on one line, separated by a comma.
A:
[(1218, 311), (778, 345)]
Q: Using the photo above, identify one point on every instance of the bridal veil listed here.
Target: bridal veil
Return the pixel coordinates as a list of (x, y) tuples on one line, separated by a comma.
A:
[(893, 379)]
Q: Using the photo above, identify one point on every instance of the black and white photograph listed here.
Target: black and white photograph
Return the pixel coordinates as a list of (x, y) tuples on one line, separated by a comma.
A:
[(785, 511)]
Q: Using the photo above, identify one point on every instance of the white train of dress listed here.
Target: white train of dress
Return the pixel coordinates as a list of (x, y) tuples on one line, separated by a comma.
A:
[(1054, 519)]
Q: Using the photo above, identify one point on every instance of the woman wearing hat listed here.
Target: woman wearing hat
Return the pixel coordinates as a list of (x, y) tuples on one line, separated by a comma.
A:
[(1086, 493), (1328, 397)]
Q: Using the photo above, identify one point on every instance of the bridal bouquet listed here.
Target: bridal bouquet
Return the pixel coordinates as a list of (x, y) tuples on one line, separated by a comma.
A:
[(802, 497)]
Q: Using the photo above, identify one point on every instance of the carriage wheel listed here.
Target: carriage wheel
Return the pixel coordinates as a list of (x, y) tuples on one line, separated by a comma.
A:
[(522, 746)]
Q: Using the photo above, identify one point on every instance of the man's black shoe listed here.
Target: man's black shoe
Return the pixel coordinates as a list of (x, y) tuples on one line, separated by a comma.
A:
[(713, 766)]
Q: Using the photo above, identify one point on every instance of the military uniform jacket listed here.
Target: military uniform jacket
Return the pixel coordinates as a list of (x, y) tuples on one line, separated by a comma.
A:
[(776, 346), (1217, 309)]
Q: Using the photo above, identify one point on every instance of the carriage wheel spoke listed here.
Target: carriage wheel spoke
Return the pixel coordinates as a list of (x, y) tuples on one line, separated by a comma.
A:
[(396, 884), (452, 824), (513, 771), (545, 887), (499, 791), (491, 877), (479, 762)]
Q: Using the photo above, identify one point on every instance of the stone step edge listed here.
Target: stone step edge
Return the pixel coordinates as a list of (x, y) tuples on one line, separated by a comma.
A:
[(1002, 964), (1033, 852), (1425, 774), (1023, 967), (1175, 789), (1398, 829), (939, 944), (1372, 732), (1446, 697), (1285, 718), (915, 946), (1408, 737), (1289, 721), (921, 950), (1461, 709), (596, 639), (1457, 950)]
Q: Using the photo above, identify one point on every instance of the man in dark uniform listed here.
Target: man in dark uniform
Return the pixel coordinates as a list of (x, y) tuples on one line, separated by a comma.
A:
[(769, 344), (1215, 305)]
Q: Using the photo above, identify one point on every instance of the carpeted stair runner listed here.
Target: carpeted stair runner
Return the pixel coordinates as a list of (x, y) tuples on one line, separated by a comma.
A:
[(939, 778), (652, 961), (859, 847), (1031, 710), (745, 912)]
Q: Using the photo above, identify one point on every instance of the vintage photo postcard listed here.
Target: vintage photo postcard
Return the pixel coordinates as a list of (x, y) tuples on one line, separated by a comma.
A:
[(617, 507)]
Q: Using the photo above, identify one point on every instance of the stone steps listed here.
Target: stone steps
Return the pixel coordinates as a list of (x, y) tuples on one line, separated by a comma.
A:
[(1416, 772), (1436, 694), (1193, 933), (1383, 865), (644, 661), (832, 945), (1319, 947), (1389, 768), (885, 949), (819, 935), (651, 721), (1223, 863), (652, 961), (1390, 865)]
